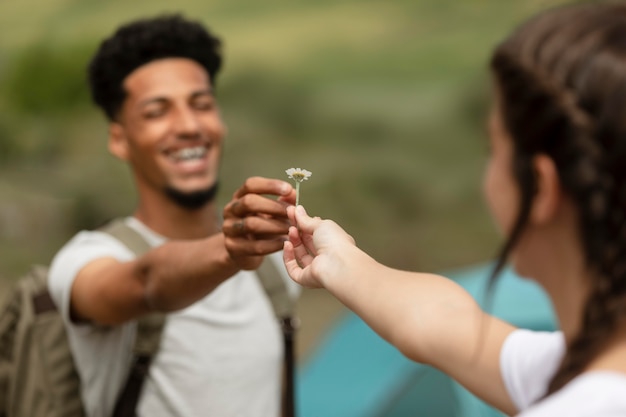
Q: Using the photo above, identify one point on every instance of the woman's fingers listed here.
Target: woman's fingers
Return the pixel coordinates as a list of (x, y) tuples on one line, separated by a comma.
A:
[(299, 274), (306, 227), (301, 252), (304, 222), (289, 258)]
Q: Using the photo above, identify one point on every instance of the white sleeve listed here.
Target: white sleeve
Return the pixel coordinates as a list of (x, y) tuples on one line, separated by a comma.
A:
[(84, 248), (528, 361)]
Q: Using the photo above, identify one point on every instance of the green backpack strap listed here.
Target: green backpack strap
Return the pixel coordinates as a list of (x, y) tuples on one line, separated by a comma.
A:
[(284, 308), (127, 235), (149, 327)]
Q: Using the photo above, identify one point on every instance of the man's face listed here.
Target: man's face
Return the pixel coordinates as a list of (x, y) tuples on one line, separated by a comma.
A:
[(169, 128)]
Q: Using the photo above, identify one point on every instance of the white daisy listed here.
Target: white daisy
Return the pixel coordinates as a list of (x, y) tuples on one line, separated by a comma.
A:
[(298, 175)]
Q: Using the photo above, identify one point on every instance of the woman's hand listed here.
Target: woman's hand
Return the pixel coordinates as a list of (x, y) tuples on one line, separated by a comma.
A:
[(315, 249)]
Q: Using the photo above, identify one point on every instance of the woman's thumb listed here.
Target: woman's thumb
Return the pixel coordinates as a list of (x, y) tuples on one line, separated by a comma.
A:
[(304, 221)]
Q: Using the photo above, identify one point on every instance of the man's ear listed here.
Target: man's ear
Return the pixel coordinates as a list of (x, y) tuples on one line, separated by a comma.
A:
[(118, 145), (549, 193)]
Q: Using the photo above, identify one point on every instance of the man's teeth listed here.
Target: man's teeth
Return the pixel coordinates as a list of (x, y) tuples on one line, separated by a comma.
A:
[(187, 154)]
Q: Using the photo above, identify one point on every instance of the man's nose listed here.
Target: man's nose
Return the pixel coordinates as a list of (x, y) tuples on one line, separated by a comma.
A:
[(187, 123)]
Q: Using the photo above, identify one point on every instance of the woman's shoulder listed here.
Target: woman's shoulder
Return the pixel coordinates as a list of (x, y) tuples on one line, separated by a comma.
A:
[(592, 394)]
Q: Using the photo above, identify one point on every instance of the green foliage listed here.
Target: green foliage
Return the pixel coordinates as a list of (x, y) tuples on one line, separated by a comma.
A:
[(47, 79), (9, 145), (384, 101)]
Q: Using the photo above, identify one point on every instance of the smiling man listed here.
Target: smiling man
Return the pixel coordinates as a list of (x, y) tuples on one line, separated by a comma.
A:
[(220, 351)]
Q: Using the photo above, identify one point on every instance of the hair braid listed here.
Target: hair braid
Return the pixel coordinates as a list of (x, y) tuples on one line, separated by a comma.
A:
[(570, 83)]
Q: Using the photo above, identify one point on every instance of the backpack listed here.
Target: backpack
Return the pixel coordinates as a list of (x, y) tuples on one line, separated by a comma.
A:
[(38, 377)]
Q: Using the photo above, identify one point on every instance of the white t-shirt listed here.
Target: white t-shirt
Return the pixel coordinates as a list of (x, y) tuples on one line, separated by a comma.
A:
[(221, 356), (529, 360)]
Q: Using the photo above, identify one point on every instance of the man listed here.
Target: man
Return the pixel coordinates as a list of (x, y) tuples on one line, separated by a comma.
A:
[(220, 352)]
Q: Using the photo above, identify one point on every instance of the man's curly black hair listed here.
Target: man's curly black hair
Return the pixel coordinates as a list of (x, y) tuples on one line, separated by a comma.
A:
[(139, 42)]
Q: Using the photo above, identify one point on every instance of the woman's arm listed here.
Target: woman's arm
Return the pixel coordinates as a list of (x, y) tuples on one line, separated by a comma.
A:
[(429, 318)]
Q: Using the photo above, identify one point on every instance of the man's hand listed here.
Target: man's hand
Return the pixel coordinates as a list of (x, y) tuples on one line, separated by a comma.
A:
[(256, 224)]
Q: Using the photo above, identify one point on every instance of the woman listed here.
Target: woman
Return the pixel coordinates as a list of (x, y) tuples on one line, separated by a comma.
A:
[(556, 187)]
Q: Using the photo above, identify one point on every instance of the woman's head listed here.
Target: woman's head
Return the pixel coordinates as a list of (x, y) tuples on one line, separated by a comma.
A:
[(561, 86)]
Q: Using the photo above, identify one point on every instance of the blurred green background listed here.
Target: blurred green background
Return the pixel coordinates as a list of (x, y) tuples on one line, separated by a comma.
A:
[(383, 100)]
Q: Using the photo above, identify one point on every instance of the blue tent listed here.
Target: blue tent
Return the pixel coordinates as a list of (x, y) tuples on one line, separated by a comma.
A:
[(354, 373)]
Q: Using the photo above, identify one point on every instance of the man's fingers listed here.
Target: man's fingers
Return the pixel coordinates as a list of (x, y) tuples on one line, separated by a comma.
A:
[(254, 227), (252, 204), (260, 185), (238, 248), (289, 199), (232, 209)]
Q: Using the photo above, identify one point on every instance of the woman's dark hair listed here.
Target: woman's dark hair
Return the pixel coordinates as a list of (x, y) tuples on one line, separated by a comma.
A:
[(561, 81), (142, 41)]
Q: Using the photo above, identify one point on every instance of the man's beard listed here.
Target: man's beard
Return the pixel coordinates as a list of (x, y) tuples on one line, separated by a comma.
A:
[(192, 200)]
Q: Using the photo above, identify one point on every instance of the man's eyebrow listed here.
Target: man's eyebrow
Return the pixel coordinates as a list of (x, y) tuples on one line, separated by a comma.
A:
[(161, 99), (206, 91), (151, 100)]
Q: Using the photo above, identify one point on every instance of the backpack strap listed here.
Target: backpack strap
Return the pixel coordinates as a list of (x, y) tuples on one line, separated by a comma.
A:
[(127, 235), (284, 308), (149, 327), (146, 345)]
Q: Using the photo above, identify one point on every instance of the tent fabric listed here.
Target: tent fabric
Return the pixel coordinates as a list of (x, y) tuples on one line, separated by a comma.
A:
[(355, 373)]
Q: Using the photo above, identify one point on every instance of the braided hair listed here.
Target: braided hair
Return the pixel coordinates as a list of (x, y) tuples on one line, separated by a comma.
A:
[(561, 78), (142, 41)]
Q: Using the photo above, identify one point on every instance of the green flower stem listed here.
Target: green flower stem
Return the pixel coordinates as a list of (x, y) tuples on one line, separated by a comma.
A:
[(297, 192)]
